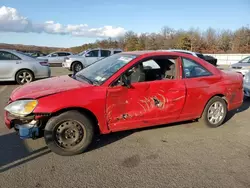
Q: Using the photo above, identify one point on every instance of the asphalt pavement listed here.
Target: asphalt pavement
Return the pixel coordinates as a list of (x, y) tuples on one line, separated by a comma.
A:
[(178, 155)]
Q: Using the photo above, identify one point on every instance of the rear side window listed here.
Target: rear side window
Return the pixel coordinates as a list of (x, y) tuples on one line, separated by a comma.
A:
[(8, 56), (63, 54), (192, 69), (105, 53)]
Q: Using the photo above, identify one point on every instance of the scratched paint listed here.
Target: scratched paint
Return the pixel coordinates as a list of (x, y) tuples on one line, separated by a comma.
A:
[(148, 104), (158, 101)]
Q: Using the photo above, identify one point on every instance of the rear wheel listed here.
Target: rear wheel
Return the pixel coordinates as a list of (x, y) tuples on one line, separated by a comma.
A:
[(215, 112), (24, 76), (69, 133), (77, 66)]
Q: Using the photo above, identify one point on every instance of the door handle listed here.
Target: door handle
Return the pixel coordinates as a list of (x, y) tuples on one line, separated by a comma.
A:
[(18, 62)]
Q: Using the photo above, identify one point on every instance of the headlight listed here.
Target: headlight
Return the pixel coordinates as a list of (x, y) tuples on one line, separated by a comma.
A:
[(21, 107)]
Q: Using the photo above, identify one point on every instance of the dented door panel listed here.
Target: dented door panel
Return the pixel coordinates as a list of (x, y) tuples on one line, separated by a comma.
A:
[(199, 91), (122, 103), (145, 104), (171, 95)]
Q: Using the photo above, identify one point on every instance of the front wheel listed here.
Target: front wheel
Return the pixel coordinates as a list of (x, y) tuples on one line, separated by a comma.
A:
[(69, 133), (77, 66), (215, 112)]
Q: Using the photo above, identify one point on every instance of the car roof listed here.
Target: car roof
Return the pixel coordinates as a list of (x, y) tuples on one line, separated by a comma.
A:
[(60, 52), (8, 50), (180, 50), (103, 49), (150, 52)]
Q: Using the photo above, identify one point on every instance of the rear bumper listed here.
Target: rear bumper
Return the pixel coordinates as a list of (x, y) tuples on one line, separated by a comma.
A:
[(44, 72)]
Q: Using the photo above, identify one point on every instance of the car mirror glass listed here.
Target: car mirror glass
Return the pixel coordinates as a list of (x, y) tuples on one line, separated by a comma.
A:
[(125, 81)]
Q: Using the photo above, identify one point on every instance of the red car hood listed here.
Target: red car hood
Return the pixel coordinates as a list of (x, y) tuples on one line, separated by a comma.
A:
[(46, 87)]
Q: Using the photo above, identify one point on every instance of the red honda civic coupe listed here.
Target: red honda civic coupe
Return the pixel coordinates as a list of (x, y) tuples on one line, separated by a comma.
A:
[(128, 90)]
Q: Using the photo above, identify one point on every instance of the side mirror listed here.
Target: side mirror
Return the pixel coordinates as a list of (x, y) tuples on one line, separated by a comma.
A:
[(125, 81), (87, 55), (187, 72), (129, 72)]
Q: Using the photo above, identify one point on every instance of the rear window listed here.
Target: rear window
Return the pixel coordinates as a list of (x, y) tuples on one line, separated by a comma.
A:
[(116, 52), (200, 55)]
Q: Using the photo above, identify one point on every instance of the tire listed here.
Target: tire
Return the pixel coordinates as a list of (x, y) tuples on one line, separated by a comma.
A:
[(24, 76), (73, 129), (77, 66), (206, 117)]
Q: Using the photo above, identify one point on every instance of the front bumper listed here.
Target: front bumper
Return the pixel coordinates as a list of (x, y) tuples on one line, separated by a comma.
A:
[(66, 65), (242, 71)]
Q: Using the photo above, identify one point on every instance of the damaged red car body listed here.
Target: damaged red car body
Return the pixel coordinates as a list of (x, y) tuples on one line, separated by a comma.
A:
[(125, 91)]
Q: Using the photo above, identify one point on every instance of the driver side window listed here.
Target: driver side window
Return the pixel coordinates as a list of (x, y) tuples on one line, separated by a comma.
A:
[(93, 53), (191, 69), (150, 69)]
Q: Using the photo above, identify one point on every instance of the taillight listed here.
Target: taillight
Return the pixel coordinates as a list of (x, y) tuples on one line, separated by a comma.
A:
[(44, 63)]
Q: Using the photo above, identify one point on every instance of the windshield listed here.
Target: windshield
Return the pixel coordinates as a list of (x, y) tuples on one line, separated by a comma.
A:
[(245, 60), (101, 70), (82, 53), (25, 54)]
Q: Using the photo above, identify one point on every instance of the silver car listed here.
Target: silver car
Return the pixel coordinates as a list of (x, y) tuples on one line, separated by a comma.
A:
[(22, 68), (77, 62), (55, 59), (243, 66)]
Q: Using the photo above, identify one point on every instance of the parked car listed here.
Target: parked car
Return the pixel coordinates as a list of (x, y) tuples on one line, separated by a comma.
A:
[(19, 67), (212, 60), (55, 59), (246, 84), (38, 54), (78, 62), (207, 58), (242, 66), (122, 92)]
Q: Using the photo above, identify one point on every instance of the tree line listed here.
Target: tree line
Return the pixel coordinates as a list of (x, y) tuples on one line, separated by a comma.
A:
[(208, 41)]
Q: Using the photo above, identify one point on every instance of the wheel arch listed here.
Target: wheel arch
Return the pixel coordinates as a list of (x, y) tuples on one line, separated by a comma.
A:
[(215, 95), (18, 70), (84, 111)]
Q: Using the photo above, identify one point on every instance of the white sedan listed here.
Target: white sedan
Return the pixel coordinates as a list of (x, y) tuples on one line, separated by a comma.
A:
[(243, 66)]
